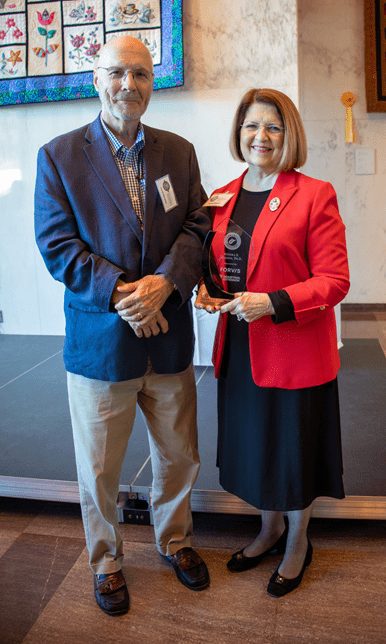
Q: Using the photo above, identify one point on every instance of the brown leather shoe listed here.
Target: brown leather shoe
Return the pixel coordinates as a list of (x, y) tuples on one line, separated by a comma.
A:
[(190, 569), (111, 593)]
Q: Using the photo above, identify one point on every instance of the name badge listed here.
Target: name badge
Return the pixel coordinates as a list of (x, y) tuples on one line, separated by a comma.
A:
[(166, 192), (219, 199)]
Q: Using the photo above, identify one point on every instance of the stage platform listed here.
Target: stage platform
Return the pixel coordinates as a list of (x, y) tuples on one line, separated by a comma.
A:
[(37, 456)]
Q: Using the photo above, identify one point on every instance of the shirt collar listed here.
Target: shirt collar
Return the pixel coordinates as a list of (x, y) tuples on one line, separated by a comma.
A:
[(116, 143)]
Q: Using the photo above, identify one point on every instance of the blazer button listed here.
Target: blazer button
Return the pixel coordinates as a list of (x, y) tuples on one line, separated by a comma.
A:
[(322, 308)]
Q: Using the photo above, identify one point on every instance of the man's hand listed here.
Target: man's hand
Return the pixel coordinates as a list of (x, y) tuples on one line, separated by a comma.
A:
[(249, 306), (146, 297), (157, 324), (117, 296)]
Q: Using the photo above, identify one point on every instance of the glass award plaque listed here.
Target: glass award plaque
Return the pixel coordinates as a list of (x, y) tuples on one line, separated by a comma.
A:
[(224, 262)]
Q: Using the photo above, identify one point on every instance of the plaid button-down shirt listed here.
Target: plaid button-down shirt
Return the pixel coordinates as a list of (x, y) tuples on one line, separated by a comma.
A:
[(130, 165)]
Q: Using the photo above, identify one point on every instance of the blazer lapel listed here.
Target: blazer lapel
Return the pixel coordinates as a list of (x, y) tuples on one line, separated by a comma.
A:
[(283, 190), (98, 152), (153, 156), (221, 218), (223, 214)]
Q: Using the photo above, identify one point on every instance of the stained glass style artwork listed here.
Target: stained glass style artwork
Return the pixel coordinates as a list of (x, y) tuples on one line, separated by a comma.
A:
[(48, 49)]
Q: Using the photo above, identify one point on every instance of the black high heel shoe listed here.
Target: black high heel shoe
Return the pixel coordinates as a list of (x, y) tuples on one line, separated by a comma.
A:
[(279, 586), (240, 562)]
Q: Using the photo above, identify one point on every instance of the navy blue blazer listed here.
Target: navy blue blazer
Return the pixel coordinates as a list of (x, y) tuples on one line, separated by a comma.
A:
[(89, 236)]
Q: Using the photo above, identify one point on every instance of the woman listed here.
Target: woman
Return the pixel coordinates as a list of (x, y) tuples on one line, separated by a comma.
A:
[(275, 352)]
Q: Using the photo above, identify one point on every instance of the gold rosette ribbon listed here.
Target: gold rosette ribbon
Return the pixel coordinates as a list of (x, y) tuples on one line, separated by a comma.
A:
[(348, 100)]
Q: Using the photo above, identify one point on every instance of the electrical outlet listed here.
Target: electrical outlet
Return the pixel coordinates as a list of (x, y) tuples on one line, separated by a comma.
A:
[(136, 516), (134, 508)]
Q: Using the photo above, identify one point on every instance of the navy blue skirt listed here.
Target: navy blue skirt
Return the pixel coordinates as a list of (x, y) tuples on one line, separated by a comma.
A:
[(278, 449)]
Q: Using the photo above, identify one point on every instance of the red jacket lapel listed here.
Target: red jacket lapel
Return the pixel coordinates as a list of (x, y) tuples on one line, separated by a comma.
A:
[(224, 213), (282, 191), (221, 217)]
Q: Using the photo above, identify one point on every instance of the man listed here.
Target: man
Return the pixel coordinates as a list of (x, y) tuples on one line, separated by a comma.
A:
[(118, 219)]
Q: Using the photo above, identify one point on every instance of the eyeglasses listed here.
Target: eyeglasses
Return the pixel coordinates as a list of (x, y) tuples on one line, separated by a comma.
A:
[(271, 128), (118, 75)]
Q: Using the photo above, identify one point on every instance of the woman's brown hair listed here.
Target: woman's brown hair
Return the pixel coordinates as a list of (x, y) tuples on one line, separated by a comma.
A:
[(294, 153)]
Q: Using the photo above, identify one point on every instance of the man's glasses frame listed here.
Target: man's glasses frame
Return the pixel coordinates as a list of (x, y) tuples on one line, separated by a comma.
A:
[(118, 75)]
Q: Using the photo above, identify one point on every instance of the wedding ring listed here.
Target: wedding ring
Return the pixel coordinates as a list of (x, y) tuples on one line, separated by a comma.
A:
[(239, 317)]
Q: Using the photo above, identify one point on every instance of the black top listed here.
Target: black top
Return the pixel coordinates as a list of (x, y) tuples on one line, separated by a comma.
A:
[(246, 213)]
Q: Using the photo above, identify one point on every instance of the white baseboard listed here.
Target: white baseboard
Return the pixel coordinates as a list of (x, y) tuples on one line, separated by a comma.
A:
[(216, 501)]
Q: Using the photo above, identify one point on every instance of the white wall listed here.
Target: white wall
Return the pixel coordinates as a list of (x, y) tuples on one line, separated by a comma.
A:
[(229, 47), (331, 61)]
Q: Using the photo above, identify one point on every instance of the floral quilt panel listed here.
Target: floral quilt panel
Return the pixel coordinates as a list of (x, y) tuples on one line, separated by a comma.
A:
[(48, 49)]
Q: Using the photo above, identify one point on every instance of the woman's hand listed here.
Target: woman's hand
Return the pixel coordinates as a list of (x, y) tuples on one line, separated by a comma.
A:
[(205, 302), (249, 306)]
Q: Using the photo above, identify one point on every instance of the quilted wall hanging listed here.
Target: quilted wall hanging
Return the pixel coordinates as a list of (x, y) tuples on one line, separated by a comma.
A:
[(48, 49)]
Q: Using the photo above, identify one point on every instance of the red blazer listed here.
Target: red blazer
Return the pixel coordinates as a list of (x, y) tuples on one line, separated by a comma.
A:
[(301, 248)]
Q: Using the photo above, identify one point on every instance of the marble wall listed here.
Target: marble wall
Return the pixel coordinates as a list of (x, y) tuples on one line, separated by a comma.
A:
[(331, 61), (229, 46), (240, 44)]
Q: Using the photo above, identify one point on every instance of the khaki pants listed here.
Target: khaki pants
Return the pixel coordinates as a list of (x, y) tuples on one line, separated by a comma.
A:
[(102, 415)]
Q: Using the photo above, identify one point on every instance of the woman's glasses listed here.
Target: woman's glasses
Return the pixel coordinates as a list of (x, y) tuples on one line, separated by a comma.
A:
[(270, 128)]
